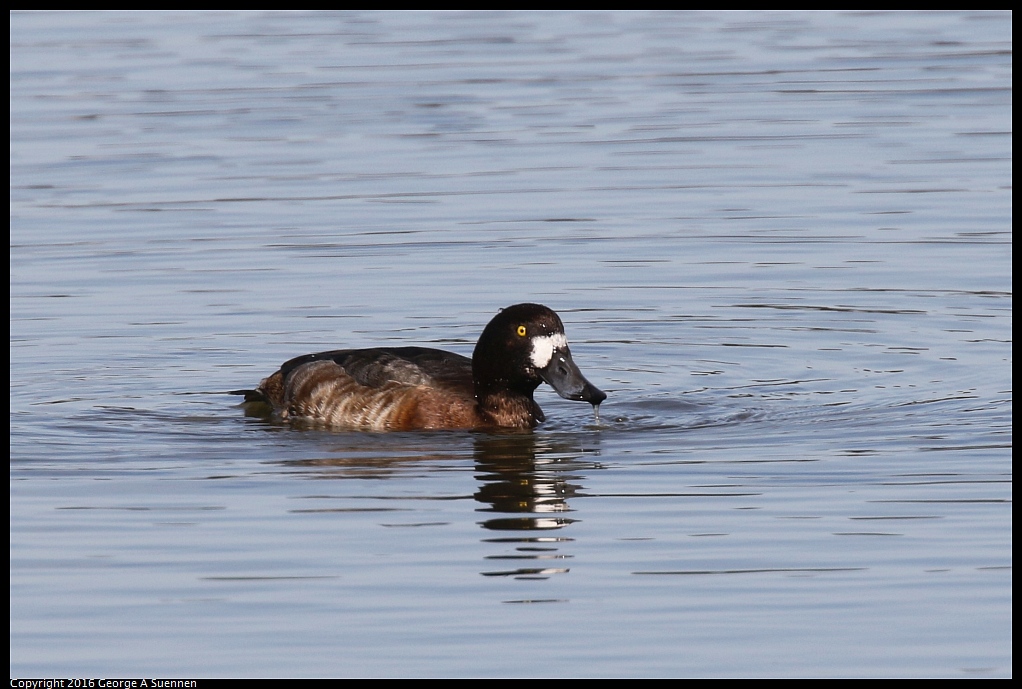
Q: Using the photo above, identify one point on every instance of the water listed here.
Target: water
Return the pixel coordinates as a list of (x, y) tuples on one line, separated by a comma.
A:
[(780, 242)]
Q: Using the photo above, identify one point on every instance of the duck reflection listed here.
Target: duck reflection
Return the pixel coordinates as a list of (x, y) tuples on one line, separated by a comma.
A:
[(526, 482)]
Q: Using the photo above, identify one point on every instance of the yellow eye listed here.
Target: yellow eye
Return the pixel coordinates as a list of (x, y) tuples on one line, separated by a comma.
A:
[(521, 331)]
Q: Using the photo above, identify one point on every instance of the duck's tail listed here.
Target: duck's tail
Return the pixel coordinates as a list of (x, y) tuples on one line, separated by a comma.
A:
[(251, 395)]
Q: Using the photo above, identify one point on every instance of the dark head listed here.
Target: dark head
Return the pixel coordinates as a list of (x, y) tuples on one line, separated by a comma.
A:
[(523, 346)]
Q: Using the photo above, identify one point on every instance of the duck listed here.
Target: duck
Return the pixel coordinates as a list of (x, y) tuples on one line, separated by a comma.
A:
[(418, 388)]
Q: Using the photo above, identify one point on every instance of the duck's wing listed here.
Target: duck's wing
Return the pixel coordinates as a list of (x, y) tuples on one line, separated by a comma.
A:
[(405, 365), (404, 388)]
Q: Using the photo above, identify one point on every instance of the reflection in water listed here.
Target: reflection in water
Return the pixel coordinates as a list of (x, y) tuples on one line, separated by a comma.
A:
[(531, 480), (525, 482)]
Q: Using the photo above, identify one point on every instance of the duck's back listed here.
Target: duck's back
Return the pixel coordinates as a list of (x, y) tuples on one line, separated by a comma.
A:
[(384, 388)]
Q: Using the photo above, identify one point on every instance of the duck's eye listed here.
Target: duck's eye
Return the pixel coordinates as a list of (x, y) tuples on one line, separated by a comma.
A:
[(521, 331)]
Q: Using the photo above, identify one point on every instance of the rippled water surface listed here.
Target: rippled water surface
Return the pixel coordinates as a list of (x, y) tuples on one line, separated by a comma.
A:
[(780, 242)]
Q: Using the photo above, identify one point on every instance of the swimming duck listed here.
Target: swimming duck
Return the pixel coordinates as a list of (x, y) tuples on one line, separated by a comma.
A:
[(415, 388)]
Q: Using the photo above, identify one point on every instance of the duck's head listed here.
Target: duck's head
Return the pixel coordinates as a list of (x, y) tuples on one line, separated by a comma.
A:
[(523, 346)]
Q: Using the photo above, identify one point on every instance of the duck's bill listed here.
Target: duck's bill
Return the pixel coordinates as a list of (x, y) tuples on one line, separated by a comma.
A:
[(563, 376)]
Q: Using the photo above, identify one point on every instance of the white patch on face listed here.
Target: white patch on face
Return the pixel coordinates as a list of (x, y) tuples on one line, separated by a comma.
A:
[(543, 348)]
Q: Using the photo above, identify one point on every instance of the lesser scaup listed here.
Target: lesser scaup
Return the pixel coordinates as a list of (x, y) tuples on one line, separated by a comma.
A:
[(414, 388)]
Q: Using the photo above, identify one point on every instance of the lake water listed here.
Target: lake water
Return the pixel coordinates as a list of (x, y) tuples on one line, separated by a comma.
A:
[(780, 242)]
